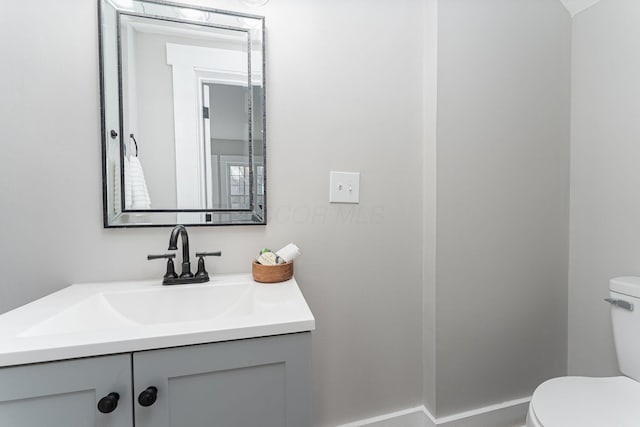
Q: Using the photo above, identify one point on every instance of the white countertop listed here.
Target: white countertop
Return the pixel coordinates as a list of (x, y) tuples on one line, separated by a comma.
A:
[(118, 317)]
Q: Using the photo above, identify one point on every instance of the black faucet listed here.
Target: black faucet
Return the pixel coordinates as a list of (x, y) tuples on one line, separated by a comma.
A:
[(180, 230), (171, 278)]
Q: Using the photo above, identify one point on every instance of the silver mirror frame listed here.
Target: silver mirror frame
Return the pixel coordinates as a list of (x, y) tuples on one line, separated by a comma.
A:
[(171, 217)]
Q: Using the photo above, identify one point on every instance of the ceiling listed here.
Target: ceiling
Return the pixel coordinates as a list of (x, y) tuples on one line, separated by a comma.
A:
[(576, 6)]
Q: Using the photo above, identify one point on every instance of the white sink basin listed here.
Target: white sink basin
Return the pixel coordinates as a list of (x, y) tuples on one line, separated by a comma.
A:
[(67, 320), (105, 318), (149, 306), (182, 304)]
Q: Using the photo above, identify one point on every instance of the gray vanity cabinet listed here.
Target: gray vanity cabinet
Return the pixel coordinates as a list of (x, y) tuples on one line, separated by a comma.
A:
[(258, 382), (67, 393), (262, 382)]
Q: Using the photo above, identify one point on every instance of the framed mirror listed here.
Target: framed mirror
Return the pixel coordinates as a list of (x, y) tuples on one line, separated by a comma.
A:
[(183, 115)]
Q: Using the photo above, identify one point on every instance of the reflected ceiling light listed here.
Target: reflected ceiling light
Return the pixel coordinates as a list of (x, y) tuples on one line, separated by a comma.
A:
[(250, 23), (194, 14), (255, 3), (124, 4)]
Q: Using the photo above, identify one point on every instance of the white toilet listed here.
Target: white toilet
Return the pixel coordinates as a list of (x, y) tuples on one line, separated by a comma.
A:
[(599, 402)]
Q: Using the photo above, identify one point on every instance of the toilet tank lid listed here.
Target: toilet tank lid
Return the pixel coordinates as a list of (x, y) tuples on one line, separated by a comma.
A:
[(628, 285)]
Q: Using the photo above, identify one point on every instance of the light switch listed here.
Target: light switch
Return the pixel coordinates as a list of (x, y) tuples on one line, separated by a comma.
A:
[(344, 187)]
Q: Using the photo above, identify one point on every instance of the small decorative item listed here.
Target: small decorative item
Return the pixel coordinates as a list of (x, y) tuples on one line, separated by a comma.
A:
[(274, 267), (272, 273)]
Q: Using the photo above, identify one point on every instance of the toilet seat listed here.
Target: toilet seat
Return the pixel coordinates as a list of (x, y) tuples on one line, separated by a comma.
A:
[(586, 402)]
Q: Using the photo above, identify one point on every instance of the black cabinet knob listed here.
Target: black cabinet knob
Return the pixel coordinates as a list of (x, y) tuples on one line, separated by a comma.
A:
[(148, 397), (109, 403)]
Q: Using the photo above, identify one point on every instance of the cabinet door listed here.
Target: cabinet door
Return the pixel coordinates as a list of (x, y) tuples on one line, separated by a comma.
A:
[(66, 394), (262, 382)]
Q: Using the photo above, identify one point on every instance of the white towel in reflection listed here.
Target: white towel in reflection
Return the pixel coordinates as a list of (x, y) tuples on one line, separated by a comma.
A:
[(135, 186)]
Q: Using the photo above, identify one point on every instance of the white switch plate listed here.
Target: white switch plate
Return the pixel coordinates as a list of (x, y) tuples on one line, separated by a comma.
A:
[(344, 187)]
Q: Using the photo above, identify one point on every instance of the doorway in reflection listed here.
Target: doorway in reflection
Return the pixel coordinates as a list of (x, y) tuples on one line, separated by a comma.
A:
[(225, 116)]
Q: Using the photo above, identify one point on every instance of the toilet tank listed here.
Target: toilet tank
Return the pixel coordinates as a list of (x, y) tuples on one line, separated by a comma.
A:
[(624, 296)]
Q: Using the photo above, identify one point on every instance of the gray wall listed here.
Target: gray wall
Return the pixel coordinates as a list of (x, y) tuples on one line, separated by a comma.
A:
[(230, 116), (323, 59), (605, 206), (502, 199), (155, 131), (429, 224)]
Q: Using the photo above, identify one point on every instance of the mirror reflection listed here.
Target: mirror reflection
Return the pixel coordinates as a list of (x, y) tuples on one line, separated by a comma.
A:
[(183, 105)]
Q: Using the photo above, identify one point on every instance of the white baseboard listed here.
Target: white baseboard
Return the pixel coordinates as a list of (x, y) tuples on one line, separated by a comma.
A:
[(413, 417), (506, 414)]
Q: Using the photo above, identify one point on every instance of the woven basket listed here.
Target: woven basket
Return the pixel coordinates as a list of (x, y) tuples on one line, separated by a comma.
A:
[(272, 273)]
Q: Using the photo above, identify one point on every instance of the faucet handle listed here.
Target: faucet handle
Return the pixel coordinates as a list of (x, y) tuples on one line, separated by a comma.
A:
[(162, 256), (171, 270), (203, 254), (202, 272)]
